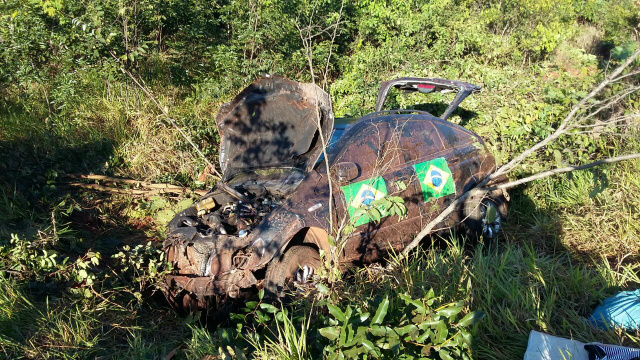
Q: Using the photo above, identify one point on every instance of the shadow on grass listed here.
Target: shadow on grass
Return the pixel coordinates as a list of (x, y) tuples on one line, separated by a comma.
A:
[(41, 314)]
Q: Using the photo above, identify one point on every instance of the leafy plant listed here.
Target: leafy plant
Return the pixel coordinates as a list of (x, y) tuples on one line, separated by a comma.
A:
[(144, 265), (28, 257), (414, 329), (376, 210)]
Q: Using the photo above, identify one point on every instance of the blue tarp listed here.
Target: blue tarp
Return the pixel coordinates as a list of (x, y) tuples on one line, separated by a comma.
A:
[(621, 310)]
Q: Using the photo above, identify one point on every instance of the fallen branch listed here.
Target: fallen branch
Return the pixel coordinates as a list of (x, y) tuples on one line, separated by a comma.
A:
[(566, 169), (133, 182), (143, 188), (562, 128), (108, 179), (12, 272), (134, 192)]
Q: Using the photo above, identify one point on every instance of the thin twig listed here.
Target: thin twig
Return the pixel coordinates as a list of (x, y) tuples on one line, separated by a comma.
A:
[(333, 39), (612, 101), (307, 43), (561, 170), (626, 75), (611, 122)]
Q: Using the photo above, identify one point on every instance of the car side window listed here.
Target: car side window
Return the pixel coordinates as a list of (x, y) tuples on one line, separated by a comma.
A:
[(374, 149), (420, 140)]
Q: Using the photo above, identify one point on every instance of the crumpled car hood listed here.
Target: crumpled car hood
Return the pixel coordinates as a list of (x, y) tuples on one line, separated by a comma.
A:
[(273, 123)]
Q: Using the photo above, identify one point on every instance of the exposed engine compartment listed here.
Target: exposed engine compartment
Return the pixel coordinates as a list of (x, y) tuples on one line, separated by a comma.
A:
[(205, 239), (237, 217), (269, 140)]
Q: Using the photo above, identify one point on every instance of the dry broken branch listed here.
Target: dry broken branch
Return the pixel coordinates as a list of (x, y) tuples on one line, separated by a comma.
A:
[(142, 188), (561, 170), (133, 192), (562, 128)]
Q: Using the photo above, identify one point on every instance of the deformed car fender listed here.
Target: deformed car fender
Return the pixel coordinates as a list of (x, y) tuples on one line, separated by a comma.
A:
[(272, 235)]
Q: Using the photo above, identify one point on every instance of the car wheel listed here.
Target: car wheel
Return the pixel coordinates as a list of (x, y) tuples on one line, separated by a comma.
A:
[(482, 217), (295, 268)]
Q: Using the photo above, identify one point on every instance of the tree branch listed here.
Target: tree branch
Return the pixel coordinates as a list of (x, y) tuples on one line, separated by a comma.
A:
[(143, 188), (561, 170), (134, 192), (562, 128), (333, 39)]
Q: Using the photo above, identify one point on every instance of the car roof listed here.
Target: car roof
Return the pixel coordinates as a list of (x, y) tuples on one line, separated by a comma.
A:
[(389, 116)]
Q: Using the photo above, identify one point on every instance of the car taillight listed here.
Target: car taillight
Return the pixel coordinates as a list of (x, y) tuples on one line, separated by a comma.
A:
[(425, 88)]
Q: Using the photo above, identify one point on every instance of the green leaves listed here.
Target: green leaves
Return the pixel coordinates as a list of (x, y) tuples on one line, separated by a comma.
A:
[(268, 308), (396, 206), (388, 205), (409, 327), (557, 155), (331, 332), (450, 311), (381, 312), (471, 318), (441, 332), (622, 52), (336, 312)]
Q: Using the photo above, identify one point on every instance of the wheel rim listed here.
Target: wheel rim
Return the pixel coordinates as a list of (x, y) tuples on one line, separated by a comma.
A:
[(304, 274), (491, 221)]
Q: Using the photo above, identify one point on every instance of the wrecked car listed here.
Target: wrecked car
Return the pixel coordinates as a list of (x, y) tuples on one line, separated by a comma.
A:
[(266, 222)]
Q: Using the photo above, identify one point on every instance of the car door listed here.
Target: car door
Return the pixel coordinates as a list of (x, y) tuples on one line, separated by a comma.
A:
[(430, 149), (377, 150), (452, 165), (420, 143)]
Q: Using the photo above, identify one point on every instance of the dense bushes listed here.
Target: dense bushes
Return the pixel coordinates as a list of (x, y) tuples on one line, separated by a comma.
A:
[(229, 43), (58, 73)]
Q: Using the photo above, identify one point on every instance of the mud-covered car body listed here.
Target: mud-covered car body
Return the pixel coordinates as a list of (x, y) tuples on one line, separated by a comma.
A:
[(275, 192)]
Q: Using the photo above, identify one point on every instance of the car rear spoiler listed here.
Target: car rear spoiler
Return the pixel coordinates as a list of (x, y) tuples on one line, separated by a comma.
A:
[(425, 85)]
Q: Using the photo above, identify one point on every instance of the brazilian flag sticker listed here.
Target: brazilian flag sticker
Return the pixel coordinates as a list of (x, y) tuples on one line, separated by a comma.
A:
[(435, 178), (361, 194)]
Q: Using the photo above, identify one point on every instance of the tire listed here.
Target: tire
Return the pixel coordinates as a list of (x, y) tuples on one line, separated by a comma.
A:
[(483, 217), (295, 267)]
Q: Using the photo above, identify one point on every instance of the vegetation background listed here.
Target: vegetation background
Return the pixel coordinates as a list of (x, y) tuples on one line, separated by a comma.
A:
[(77, 268)]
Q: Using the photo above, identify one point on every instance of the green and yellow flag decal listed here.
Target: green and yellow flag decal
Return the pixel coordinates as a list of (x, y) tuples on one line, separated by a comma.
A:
[(435, 178), (361, 194)]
